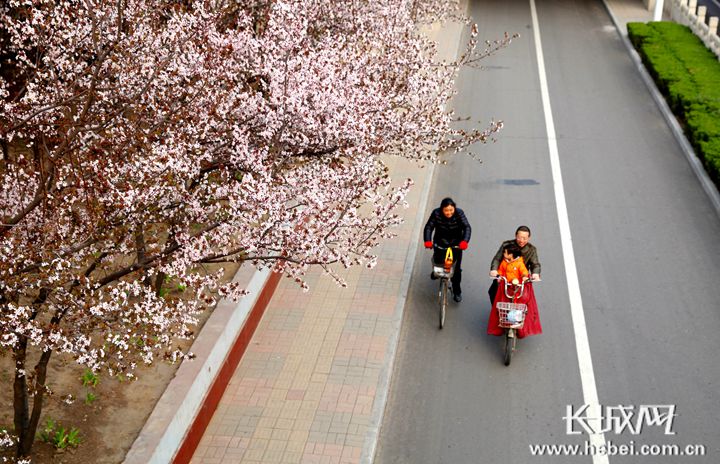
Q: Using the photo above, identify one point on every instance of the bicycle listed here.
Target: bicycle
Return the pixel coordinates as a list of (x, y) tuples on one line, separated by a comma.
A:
[(443, 271), (511, 315)]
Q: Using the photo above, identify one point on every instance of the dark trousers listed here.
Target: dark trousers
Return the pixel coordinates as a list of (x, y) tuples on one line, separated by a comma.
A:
[(492, 291), (439, 258)]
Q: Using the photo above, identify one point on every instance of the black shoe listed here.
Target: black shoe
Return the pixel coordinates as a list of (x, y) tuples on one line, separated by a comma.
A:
[(433, 276), (457, 297)]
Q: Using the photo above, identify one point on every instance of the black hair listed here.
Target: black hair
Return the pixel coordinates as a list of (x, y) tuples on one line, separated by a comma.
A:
[(512, 249), (523, 229), (447, 202)]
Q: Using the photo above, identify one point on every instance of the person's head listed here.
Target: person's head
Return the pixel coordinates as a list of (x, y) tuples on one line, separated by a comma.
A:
[(522, 236), (447, 206), (511, 252)]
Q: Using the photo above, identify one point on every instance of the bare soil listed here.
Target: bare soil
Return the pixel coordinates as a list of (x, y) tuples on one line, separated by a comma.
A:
[(108, 424)]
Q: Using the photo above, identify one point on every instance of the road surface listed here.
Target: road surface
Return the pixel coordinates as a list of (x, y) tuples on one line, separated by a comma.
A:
[(644, 237)]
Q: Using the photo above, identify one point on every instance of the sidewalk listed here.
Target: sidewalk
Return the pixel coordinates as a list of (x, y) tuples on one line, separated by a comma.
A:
[(627, 11), (312, 384)]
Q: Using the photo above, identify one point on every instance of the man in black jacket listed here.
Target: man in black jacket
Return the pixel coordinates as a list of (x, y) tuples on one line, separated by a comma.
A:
[(451, 229)]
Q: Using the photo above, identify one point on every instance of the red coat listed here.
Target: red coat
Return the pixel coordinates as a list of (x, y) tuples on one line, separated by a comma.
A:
[(532, 318)]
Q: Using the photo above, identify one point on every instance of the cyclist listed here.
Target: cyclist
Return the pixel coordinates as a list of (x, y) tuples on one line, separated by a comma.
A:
[(451, 229), (528, 252)]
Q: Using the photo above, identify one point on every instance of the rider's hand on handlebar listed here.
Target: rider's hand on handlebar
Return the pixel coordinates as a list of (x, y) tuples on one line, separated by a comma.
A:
[(463, 245), (494, 273), (428, 244)]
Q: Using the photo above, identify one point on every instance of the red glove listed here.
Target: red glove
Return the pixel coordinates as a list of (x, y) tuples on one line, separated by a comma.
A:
[(463, 245), (428, 244)]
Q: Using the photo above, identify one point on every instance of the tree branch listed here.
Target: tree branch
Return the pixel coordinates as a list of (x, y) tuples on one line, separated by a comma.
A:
[(149, 260), (43, 188)]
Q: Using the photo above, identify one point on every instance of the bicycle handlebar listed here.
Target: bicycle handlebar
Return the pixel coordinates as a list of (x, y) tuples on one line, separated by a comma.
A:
[(529, 279), (520, 285), (456, 247)]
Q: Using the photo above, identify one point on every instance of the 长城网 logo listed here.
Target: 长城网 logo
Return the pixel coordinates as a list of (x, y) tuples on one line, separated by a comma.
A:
[(618, 419)]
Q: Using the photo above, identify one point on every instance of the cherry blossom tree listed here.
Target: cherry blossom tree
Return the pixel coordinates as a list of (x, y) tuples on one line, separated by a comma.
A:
[(143, 139)]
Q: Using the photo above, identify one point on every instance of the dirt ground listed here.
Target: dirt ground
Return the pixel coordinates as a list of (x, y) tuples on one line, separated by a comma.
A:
[(108, 424)]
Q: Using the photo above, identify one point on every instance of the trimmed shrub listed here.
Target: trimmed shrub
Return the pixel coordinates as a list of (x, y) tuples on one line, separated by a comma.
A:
[(688, 75)]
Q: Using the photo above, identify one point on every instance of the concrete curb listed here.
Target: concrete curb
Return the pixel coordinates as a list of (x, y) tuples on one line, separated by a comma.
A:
[(692, 158), (176, 425), (378, 408)]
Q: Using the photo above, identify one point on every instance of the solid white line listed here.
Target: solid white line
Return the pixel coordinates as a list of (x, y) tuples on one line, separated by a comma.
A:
[(587, 375)]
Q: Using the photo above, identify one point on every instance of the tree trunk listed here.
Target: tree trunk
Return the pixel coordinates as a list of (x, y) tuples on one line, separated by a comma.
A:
[(140, 252), (38, 397), (20, 398), (159, 281), (26, 425)]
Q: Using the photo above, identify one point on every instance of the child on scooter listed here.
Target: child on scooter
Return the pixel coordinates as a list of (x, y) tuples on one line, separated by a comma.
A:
[(512, 266)]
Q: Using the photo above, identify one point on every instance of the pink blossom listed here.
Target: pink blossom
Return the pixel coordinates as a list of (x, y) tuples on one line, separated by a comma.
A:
[(145, 139)]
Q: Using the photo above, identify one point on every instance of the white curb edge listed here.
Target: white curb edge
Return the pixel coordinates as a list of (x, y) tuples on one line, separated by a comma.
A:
[(173, 415)]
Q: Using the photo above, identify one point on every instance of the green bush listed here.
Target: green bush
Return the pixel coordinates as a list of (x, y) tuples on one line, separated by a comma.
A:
[(688, 75), (711, 160)]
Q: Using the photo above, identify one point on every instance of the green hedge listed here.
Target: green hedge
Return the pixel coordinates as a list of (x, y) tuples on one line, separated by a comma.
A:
[(688, 74)]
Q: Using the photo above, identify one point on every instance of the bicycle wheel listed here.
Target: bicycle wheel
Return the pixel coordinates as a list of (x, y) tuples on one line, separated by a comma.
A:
[(509, 347), (443, 300)]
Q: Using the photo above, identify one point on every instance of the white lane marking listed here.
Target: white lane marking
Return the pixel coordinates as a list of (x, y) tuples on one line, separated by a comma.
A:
[(587, 375)]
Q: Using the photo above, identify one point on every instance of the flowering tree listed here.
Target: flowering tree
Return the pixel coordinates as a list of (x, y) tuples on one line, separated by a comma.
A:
[(142, 139)]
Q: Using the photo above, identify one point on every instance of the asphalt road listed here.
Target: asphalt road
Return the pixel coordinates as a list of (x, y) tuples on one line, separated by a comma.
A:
[(645, 242)]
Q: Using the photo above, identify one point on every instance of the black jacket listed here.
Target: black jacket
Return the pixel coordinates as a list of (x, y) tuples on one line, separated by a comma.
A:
[(448, 231)]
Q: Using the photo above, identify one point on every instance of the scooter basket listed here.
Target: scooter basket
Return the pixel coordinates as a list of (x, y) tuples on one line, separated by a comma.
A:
[(511, 315), (440, 272)]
